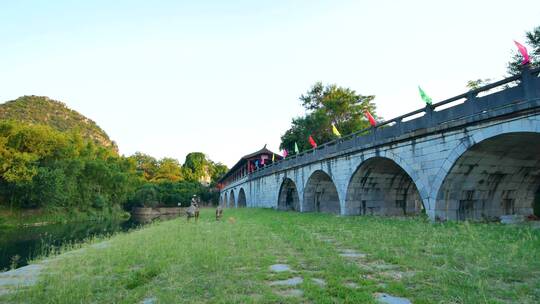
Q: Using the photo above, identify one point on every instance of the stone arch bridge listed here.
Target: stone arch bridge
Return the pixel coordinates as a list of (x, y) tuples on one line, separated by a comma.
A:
[(473, 156)]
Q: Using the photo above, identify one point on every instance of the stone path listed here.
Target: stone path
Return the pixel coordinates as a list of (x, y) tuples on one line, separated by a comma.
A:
[(150, 300), (24, 276), (291, 287), (388, 299), (289, 282), (377, 270), (293, 282), (280, 268)]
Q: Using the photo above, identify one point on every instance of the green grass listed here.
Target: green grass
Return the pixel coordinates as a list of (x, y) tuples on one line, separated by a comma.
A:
[(228, 262)]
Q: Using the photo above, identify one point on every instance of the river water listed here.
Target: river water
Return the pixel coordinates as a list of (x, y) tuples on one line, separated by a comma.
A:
[(18, 245)]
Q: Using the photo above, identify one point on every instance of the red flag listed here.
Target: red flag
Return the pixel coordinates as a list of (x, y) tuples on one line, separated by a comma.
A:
[(285, 153), (523, 51), (312, 142), (372, 121)]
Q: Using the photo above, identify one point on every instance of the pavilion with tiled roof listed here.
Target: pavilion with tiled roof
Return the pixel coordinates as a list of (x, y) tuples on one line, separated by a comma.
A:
[(247, 164)]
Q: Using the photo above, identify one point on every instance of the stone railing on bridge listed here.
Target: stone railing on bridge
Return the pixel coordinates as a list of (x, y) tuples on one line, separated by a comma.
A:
[(513, 94)]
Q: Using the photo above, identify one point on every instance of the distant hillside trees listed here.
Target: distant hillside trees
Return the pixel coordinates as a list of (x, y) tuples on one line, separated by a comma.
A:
[(167, 183), (41, 167), (41, 110), (53, 157)]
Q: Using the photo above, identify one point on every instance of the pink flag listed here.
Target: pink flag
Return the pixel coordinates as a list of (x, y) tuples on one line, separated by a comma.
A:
[(262, 160), (285, 153), (523, 51)]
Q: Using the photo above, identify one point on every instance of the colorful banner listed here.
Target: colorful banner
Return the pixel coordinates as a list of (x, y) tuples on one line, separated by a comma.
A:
[(312, 142), (335, 131), (523, 50), (370, 118), (424, 96)]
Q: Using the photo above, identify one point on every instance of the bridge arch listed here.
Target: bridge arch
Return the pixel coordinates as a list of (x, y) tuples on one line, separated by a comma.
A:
[(288, 198), (379, 186), (232, 200), (242, 202), (491, 174), (320, 194)]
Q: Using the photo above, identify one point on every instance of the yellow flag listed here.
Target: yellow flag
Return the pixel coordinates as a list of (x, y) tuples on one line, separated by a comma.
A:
[(335, 131), (273, 157)]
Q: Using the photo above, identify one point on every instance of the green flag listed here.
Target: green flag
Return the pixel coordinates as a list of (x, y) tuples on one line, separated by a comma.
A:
[(424, 96), (296, 148)]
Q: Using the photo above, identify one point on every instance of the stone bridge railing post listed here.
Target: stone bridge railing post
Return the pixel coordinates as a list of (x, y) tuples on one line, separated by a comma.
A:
[(399, 125), (429, 113), (528, 82)]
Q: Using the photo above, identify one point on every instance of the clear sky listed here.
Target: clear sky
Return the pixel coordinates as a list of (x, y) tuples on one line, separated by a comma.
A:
[(223, 77)]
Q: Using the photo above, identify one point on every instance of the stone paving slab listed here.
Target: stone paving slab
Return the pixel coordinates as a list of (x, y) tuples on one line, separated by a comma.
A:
[(389, 299), (319, 282), (289, 282), (290, 293), (280, 268), (20, 277), (28, 275)]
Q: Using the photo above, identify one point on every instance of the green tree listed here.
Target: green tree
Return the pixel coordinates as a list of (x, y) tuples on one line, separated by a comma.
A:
[(327, 105), (532, 41), (147, 165), (478, 83), (47, 188), (217, 171), (43, 167), (168, 169), (196, 166), (147, 196)]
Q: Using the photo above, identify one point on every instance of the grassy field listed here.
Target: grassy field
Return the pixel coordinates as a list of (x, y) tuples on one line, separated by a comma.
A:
[(229, 262)]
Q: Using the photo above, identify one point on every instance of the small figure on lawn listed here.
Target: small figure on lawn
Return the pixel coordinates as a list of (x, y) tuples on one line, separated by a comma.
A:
[(193, 210), (219, 212)]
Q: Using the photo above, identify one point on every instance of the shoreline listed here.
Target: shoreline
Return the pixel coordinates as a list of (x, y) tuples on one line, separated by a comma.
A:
[(36, 218)]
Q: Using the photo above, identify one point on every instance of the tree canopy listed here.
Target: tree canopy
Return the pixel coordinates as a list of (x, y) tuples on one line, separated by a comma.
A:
[(167, 182), (326, 105), (41, 167)]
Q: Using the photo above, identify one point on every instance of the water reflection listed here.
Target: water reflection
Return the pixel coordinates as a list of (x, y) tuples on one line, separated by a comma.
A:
[(18, 245)]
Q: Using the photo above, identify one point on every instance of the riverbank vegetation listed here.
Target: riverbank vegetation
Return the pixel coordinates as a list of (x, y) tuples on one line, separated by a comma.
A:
[(334, 260), (46, 168), (167, 183), (52, 175), (17, 217)]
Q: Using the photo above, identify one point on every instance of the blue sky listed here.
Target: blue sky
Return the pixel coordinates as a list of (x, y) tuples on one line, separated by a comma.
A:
[(170, 77)]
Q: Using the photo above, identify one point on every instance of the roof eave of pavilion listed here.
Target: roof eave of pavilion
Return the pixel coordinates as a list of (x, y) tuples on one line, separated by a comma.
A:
[(244, 159)]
